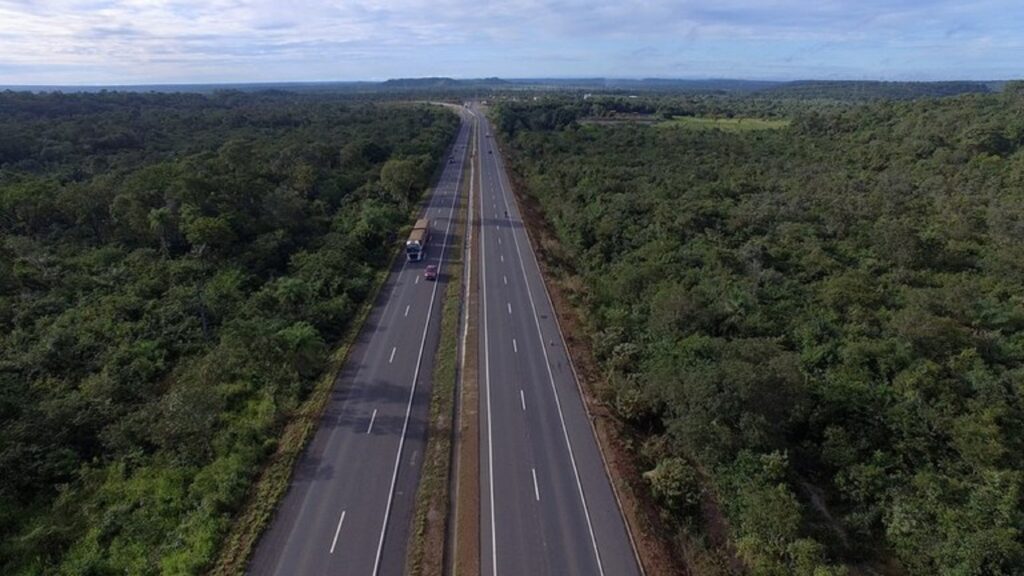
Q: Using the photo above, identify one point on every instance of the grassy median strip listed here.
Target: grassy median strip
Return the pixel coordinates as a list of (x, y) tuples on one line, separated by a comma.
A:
[(429, 524)]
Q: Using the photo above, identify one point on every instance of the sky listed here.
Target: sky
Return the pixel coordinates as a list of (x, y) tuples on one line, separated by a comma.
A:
[(102, 42)]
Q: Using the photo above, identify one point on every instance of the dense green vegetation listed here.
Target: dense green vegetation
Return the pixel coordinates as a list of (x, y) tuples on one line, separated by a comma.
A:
[(847, 90), (173, 271), (817, 331), (852, 90)]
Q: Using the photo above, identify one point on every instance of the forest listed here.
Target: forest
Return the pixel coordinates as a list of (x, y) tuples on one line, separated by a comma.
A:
[(860, 90), (814, 335), (174, 271)]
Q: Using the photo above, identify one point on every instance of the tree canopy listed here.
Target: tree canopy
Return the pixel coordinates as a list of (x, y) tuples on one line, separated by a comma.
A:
[(174, 270), (817, 329)]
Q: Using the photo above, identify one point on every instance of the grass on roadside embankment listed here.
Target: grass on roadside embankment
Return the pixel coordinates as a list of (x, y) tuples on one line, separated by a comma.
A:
[(724, 124), (429, 524), (276, 476)]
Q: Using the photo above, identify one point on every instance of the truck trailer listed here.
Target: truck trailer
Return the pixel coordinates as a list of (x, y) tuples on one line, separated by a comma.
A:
[(416, 245)]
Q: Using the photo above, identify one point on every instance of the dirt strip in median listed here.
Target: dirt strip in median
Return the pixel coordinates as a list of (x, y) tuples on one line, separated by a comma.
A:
[(465, 536)]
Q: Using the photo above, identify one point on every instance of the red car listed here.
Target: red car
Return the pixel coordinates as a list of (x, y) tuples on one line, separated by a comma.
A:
[(430, 273)]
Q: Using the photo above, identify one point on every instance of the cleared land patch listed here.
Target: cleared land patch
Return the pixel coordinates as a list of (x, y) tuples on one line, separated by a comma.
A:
[(726, 124)]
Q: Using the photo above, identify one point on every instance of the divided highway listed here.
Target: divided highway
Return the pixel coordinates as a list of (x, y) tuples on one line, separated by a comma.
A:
[(350, 503), (547, 506)]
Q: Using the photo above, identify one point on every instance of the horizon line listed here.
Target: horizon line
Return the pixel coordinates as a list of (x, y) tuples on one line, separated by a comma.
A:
[(504, 79)]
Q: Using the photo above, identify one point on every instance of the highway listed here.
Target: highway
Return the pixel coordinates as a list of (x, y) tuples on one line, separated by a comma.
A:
[(349, 506), (547, 506)]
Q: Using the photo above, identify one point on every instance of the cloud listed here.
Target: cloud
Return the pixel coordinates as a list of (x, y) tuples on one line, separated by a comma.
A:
[(130, 41)]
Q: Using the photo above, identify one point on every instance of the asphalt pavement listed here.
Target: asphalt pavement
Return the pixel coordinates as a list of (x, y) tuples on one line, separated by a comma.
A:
[(349, 507), (547, 506)]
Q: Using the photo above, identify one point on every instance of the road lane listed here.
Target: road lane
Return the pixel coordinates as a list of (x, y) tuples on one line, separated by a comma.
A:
[(548, 506), (349, 506)]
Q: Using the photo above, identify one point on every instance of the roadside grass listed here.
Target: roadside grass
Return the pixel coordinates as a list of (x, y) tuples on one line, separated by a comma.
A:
[(724, 124), (275, 478), (427, 544)]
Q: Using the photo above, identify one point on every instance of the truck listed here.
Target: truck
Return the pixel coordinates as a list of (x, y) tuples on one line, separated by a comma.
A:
[(416, 245)]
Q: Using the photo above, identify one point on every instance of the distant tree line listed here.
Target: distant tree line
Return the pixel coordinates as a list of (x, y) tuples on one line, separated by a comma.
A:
[(860, 90)]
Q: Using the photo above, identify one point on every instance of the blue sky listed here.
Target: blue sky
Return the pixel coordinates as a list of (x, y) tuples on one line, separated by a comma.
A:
[(150, 41)]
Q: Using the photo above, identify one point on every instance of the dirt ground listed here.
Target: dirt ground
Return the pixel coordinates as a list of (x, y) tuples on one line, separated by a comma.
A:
[(466, 533)]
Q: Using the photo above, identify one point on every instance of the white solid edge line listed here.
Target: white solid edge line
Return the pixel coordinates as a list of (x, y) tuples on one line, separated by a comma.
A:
[(536, 489), (551, 379), (412, 389), (372, 418), (337, 531), (487, 374)]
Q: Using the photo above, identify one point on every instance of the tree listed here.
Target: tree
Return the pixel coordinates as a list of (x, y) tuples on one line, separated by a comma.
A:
[(400, 179), (208, 232)]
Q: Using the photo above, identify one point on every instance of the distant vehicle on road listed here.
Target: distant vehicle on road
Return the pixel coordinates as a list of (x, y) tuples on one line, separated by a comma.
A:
[(430, 273), (416, 245)]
